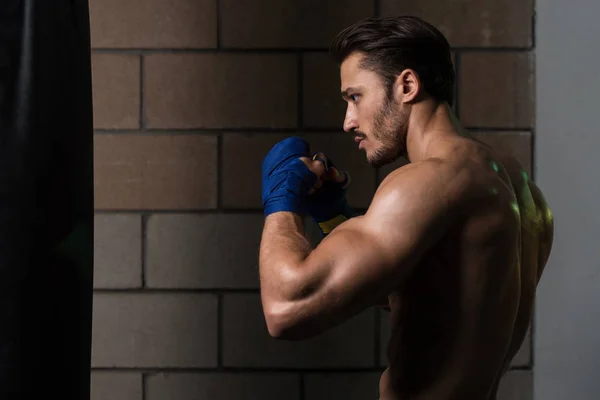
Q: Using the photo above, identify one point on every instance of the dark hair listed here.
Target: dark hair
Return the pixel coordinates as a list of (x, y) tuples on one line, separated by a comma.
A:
[(393, 44)]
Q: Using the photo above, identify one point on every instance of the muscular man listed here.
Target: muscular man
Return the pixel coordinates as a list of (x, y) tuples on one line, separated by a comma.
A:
[(456, 240)]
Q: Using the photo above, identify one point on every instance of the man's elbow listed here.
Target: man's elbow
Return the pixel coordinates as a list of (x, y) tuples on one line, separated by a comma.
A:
[(283, 323), (278, 330)]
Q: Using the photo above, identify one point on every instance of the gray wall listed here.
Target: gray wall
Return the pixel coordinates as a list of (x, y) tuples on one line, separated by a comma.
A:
[(189, 95), (567, 323)]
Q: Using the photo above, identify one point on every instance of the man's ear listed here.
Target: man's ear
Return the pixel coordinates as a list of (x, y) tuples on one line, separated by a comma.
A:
[(408, 86)]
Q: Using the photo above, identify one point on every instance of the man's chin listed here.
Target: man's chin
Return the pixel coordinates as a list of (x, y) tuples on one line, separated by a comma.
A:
[(378, 161)]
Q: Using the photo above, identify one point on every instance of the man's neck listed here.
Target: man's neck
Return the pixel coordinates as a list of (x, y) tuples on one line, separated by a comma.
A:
[(428, 123)]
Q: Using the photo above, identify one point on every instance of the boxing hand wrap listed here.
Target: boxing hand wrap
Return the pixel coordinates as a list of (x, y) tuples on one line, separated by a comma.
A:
[(286, 180), (328, 205)]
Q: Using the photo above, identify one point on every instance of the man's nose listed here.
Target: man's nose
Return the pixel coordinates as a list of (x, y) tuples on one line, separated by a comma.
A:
[(350, 122)]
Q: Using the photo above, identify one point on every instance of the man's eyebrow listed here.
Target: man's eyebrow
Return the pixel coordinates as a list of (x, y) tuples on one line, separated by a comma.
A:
[(345, 93)]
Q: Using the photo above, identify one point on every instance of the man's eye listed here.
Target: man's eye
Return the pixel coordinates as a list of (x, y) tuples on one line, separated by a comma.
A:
[(354, 97)]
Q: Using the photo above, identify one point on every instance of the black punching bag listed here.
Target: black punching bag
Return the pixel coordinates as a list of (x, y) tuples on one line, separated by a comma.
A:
[(46, 199)]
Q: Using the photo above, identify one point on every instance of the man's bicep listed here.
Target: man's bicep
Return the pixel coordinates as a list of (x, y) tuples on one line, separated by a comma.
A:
[(352, 268), (375, 253), (366, 258)]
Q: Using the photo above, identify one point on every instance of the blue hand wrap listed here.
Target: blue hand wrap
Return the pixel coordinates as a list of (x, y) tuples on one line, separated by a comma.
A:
[(286, 180)]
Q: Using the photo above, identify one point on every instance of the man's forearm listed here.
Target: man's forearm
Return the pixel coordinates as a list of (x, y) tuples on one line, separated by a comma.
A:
[(283, 249)]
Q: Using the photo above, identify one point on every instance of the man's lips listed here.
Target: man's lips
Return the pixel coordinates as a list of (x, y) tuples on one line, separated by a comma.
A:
[(359, 140)]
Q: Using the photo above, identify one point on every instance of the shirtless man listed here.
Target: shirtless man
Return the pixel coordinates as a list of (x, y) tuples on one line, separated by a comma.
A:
[(456, 240)]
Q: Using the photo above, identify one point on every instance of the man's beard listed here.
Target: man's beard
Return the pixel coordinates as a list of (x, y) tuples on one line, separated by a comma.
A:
[(390, 127)]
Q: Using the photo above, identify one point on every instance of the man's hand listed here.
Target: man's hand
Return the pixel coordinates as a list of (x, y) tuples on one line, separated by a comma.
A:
[(295, 182), (286, 179), (327, 203)]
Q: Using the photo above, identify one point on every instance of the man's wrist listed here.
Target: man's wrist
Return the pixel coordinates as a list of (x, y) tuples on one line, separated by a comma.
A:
[(282, 204)]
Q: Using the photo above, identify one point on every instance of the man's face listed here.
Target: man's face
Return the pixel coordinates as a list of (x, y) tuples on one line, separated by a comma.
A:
[(378, 122)]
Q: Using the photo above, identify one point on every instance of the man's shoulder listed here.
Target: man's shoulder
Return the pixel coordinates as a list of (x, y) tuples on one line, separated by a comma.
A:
[(434, 176), (432, 191), (421, 199)]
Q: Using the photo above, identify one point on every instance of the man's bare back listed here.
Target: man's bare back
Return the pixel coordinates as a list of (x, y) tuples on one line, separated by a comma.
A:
[(460, 318)]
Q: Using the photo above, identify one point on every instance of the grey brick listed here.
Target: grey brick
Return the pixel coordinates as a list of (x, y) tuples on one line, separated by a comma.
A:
[(226, 386), (154, 330), (166, 171), (521, 359), (246, 342), (117, 251), (116, 385), (517, 385), (116, 95), (153, 23), (347, 386), (511, 79), (203, 251), (323, 105), (221, 90), (295, 23), (468, 23)]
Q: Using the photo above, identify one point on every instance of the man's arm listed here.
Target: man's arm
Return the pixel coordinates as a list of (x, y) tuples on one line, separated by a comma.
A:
[(305, 291)]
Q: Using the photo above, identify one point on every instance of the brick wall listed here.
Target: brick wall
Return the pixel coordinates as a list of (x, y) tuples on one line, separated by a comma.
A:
[(188, 96)]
